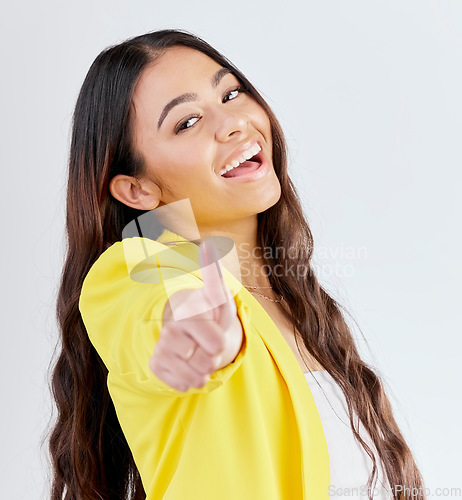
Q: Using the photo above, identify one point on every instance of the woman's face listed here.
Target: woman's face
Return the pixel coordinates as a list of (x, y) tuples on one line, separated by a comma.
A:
[(190, 121)]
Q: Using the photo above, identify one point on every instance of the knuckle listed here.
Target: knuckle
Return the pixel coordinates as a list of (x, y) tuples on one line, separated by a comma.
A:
[(154, 365), (216, 362), (199, 382), (168, 375), (207, 366), (166, 331), (218, 344), (211, 365), (159, 350), (203, 368), (179, 385)]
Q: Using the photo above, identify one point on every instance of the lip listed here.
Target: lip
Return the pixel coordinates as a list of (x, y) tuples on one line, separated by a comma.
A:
[(261, 171), (238, 152)]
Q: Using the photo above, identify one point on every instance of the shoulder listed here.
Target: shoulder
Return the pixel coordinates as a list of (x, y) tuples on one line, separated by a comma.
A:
[(138, 267)]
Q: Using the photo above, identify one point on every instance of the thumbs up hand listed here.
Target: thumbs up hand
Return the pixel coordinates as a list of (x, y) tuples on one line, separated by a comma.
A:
[(190, 350)]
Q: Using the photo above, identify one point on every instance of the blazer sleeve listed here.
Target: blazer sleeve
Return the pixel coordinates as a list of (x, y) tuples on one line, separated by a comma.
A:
[(123, 320)]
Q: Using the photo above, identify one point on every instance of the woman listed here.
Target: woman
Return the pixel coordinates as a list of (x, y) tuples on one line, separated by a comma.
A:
[(219, 407)]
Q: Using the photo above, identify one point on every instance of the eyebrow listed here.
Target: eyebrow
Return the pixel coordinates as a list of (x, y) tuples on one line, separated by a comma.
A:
[(215, 80)]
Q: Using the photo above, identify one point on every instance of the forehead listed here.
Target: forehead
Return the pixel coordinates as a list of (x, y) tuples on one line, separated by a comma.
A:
[(177, 71)]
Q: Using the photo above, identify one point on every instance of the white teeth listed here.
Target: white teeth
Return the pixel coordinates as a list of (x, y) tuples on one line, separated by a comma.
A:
[(245, 156), (252, 152)]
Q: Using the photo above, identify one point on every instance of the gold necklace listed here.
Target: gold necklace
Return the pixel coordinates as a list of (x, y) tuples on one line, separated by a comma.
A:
[(264, 296)]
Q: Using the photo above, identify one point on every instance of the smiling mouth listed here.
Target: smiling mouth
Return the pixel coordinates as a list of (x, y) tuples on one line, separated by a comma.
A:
[(248, 162)]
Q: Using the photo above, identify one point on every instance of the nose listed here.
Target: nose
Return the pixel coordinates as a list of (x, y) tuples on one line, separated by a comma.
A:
[(230, 123)]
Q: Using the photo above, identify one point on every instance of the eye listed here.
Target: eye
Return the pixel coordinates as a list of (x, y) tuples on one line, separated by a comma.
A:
[(185, 124), (192, 120), (232, 94)]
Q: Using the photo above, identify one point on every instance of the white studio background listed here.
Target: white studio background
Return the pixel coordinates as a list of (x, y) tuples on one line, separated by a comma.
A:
[(368, 93)]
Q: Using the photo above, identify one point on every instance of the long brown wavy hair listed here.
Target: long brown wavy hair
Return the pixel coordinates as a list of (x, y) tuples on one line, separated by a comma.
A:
[(90, 456)]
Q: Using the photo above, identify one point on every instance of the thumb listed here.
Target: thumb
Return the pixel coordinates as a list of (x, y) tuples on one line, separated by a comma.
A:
[(215, 289)]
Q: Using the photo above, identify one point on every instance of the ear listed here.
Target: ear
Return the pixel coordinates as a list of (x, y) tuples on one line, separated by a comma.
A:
[(131, 192)]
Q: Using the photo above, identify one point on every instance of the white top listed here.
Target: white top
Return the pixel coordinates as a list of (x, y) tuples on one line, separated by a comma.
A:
[(350, 465)]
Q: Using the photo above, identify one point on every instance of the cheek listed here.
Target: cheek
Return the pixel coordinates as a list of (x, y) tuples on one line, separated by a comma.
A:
[(187, 165), (262, 118), (179, 160), (264, 125), (193, 156)]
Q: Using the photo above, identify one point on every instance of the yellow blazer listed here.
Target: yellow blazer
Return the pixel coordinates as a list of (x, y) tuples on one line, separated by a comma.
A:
[(252, 432)]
